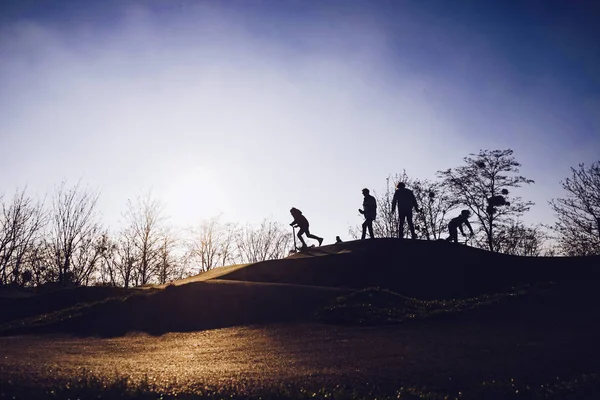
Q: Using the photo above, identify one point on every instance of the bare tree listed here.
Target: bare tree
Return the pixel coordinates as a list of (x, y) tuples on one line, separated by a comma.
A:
[(519, 240), (106, 273), (267, 242), (212, 244), (145, 227), (436, 203), (578, 225), (168, 262), (88, 259), (482, 185), (386, 223), (40, 263), (21, 225), (124, 260), (74, 231)]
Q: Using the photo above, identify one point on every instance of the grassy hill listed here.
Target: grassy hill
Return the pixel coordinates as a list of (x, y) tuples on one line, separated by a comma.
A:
[(291, 289), (423, 269)]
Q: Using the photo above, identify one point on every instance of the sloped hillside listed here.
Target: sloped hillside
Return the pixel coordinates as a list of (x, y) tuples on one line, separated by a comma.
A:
[(291, 289), (422, 269)]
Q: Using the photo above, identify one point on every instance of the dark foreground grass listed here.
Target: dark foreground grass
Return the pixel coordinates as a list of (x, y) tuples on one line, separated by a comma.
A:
[(376, 306), (88, 386)]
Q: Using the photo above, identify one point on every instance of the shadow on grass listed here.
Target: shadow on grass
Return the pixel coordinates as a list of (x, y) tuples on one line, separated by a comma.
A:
[(45, 303), (191, 307)]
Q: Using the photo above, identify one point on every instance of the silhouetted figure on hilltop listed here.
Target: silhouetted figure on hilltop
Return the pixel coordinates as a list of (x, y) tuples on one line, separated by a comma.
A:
[(369, 210), (405, 200), (338, 240), (301, 222), (457, 223)]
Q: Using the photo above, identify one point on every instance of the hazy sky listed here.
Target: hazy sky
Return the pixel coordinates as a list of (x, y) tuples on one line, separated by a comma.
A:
[(248, 108)]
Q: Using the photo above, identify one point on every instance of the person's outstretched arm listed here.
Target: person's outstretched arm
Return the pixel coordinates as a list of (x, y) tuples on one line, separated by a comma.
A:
[(469, 226)]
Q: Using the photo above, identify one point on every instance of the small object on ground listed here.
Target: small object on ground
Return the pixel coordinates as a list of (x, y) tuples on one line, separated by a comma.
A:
[(304, 248)]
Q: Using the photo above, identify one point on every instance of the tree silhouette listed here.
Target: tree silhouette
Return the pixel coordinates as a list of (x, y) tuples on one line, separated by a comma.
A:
[(146, 230), (22, 221), (578, 225), (212, 244), (74, 230), (482, 184), (267, 242), (520, 240)]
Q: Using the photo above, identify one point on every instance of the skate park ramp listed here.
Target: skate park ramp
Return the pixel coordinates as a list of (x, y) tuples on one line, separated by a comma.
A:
[(419, 268)]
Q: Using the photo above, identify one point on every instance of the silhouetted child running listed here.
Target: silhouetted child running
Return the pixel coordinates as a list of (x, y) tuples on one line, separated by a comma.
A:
[(370, 212), (457, 223), (301, 222)]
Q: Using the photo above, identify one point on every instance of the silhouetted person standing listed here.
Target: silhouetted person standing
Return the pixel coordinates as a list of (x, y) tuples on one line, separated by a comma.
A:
[(370, 212), (405, 200), (301, 222), (457, 223)]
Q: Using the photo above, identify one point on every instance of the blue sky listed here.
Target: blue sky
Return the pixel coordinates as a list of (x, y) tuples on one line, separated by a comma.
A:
[(249, 108)]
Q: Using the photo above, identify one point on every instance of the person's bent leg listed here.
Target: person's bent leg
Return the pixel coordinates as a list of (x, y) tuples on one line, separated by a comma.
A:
[(453, 234), (300, 232), (309, 235), (364, 230)]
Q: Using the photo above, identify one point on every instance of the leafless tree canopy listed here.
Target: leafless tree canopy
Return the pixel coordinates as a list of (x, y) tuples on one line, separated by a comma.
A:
[(485, 175), (145, 232), (578, 225), (74, 233), (436, 205), (21, 226), (168, 261), (122, 259), (519, 240), (212, 244), (269, 241)]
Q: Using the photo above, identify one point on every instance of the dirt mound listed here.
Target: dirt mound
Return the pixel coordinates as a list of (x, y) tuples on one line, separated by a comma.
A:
[(415, 268), (291, 289)]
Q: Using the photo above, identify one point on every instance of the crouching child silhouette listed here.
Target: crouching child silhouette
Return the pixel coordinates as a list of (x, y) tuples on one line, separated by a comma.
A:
[(301, 222), (457, 223)]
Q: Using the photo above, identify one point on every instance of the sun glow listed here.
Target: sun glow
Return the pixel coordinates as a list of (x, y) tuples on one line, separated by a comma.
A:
[(194, 193)]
